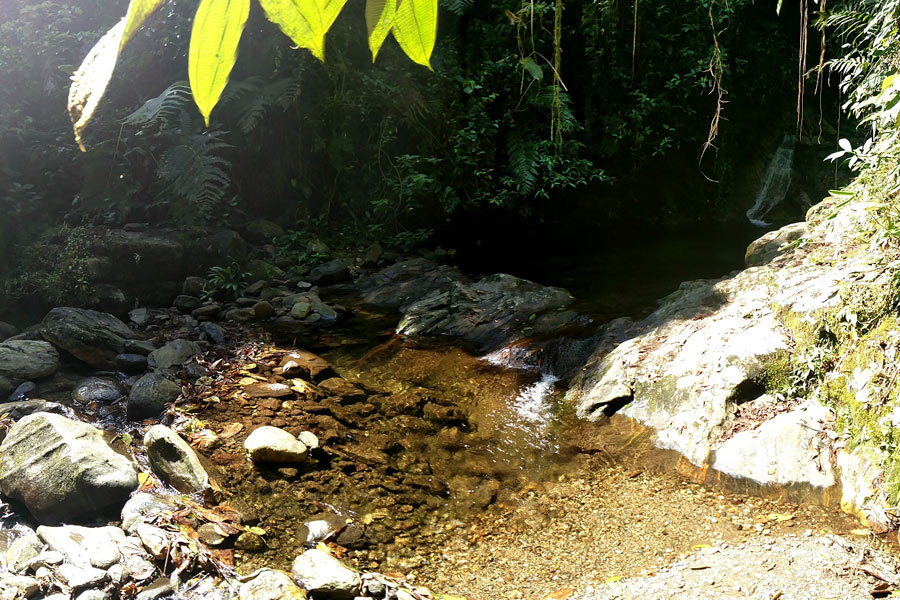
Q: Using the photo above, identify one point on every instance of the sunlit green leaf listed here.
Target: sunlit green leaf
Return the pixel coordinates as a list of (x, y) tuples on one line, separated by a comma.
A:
[(304, 21), (415, 29), (379, 20), (532, 67), (90, 80), (217, 30)]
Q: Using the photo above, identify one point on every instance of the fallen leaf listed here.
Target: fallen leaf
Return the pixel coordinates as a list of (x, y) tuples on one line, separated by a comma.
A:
[(615, 578), (231, 430), (860, 531), (145, 480), (780, 517), (560, 594), (700, 546)]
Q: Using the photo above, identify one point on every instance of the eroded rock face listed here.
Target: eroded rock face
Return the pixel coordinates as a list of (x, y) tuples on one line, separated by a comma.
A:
[(91, 336), (63, 470)]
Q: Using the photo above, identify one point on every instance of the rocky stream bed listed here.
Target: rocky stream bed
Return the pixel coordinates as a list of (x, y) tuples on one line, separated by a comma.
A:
[(406, 432)]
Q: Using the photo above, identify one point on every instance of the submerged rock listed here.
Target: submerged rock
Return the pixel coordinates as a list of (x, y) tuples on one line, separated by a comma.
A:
[(97, 389), (93, 337), (175, 461), (63, 470)]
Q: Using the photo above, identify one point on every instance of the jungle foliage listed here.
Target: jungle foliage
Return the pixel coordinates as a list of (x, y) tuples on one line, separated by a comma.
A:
[(526, 102)]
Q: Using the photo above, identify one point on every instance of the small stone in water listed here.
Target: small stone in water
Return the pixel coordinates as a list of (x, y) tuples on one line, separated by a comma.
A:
[(250, 542)]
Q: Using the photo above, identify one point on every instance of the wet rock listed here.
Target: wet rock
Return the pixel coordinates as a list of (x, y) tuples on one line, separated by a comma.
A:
[(208, 311), (149, 396), (186, 304), (331, 272), (159, 588), (210, 534), (309, 439), (97, 389), (173, 355), (300, 363), (263, 310), (22, 550), (142, 347), (250, 542), (270, 444), (241, 315), (336, 386), (131, 364), (96, 547), (144, 506), (21, 360), (214, 333), (174, 461), (93, 595), (7, 331), (139, 316), (270, 585), (262, 389), (93, 337), (323, 575), (301, 309), (22, 392), (63, 470)]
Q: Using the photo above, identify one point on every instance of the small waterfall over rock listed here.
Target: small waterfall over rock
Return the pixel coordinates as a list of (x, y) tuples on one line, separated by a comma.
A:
[(776, 183)]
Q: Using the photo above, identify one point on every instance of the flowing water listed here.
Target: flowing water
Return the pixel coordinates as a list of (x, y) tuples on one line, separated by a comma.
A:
[(776, 183)]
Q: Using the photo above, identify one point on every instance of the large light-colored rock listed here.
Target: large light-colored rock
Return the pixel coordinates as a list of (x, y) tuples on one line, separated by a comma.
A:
[(173, 355), (270, 444), (791, 448), (63, 470), (94, 337), (96, 547), (323, 575), (270, 585), (174, 460)]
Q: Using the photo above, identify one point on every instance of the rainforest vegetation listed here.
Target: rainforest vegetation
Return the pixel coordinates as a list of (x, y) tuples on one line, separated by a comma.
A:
[(535, 117)]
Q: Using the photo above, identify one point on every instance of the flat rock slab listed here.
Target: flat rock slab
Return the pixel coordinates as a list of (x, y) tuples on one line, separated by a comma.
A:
[(792, 568)]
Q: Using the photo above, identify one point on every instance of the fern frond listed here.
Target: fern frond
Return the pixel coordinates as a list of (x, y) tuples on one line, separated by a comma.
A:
[(458, 7), (522, 160), (172, 99), (251, 98), (193, 171)]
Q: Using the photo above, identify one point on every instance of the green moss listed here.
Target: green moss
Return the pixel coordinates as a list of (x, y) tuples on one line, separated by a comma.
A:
[(776, 373)]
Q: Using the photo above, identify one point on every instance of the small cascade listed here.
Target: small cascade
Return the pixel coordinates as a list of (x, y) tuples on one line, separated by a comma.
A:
[(776, 183)]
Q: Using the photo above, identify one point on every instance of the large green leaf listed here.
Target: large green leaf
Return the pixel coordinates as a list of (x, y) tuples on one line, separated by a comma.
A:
[(379, 20), (415, 28), (217, 30), (90, 80), (304, 21)]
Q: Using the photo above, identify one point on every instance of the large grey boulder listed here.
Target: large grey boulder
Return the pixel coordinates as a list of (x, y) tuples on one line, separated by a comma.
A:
[(173, 355), (149, 396), (323, 575), (174, 460), (97, 389), (7, 330), (91, 336), (63, 470), (22, 360), (334, 271)]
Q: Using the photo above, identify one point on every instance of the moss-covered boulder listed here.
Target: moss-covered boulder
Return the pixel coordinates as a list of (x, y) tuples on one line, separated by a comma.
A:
[(63, 470)]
